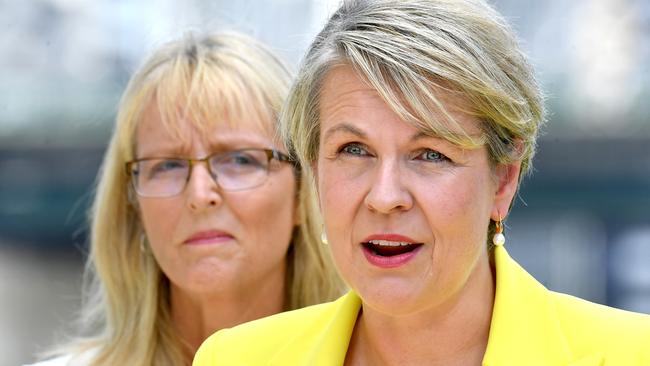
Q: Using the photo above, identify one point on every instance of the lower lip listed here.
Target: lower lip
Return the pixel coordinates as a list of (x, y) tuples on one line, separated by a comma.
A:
[(209, 240), (389, 262)]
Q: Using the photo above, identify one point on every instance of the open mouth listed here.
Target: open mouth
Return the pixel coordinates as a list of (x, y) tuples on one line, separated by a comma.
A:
[(387, 248)]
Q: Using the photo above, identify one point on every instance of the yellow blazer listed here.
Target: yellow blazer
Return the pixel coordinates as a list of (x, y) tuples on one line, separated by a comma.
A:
[(530, 326)]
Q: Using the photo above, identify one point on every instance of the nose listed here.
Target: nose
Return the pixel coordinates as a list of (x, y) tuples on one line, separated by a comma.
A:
[(202, 190), (387, 192)]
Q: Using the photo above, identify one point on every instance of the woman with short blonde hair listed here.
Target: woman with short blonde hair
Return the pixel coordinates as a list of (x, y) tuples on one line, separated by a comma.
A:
[(430, 53), (200, 220), (419, 118)]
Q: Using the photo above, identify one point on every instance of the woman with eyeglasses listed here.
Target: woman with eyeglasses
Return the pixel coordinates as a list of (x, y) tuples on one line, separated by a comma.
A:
[(200, 220)]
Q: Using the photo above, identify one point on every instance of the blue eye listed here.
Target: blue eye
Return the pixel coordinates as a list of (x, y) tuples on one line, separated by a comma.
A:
[(432, 155), (239, 162), (354, 149), (167, 165), (162, 168), (244, 159)]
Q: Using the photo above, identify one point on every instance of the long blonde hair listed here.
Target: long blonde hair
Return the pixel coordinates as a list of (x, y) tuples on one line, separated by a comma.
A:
[(126, 315)]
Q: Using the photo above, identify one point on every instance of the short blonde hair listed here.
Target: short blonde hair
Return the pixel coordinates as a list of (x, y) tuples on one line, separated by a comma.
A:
[(411, 51), (211, 76)]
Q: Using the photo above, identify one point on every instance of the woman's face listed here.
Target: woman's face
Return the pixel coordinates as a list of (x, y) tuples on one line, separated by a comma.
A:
[(406, 214), (205, 239)]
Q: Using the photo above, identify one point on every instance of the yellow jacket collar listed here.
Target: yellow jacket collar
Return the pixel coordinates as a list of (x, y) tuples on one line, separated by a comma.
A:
[(333, 337), (525, 329)]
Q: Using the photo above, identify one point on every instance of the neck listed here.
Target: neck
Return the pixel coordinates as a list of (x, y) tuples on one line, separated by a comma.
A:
[(455, 333), (197, 316)]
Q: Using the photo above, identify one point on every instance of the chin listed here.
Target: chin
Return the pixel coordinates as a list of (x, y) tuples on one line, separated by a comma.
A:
[(204, 280), (393, 298)]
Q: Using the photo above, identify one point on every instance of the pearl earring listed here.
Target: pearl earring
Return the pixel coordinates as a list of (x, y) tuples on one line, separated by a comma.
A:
[(323, 238), (499, 239)]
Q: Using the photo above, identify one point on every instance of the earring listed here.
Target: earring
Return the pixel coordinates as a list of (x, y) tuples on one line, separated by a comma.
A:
[(499, 239), (323, 238), (143, 243)]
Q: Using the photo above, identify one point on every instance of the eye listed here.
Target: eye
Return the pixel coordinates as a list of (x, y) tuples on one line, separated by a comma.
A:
[(432, 156), (167, 165), (241, 159), (238, 160), (162, 168), (246, 158), (354, 149)]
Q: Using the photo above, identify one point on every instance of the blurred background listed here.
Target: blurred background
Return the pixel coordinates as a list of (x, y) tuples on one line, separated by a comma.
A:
[(581, 223)]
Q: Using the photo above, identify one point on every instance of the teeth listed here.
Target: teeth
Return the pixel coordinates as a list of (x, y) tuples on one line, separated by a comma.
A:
[(388, 243)]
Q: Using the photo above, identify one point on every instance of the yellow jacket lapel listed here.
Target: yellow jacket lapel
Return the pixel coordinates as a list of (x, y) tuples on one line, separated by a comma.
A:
[(524, 329), (328, 340)]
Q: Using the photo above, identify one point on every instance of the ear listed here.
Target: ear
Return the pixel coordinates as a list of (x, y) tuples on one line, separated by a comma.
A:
[(507, 176)]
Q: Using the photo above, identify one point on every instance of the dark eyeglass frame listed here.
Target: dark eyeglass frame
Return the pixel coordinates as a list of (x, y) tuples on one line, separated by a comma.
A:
[(271, 154)]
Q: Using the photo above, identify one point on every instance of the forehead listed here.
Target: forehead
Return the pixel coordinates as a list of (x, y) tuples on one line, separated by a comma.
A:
[(182, 130), (344, 91)]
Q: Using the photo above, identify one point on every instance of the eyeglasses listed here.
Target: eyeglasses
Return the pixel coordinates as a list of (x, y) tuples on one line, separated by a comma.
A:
[(233, 171)]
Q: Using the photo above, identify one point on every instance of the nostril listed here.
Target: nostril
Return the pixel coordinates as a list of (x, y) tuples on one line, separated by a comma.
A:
[(388, 196)]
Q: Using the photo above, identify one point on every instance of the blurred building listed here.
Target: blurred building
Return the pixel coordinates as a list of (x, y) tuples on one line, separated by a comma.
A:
[(581, 223)]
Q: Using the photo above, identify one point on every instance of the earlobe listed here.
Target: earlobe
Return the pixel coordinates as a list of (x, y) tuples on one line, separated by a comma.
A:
[(507, 176)]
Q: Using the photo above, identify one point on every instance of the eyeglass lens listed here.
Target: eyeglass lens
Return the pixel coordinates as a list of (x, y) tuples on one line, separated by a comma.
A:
[(235, 170)]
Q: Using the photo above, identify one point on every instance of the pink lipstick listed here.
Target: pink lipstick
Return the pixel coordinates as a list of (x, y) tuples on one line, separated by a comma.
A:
[(208, 237), (389, 250)]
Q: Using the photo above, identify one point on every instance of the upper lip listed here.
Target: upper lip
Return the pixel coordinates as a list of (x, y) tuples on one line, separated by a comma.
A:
[(391, 237), (207, 234)]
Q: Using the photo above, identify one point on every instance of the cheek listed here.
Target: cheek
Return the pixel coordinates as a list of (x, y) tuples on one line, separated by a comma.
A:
[(331, 197), (463, 194), (160, 219), (338, 195), (268, 214), (341, 200), (456, 211)]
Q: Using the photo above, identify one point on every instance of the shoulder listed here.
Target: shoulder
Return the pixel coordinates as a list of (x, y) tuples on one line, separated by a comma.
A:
[(578, 314), (591, 326), (530, 322), (263, 339)]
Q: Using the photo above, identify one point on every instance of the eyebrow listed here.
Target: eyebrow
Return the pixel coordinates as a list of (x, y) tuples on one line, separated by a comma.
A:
[(345, 128), (184, 151), (454, 135), (348, 128), (421, 135)]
